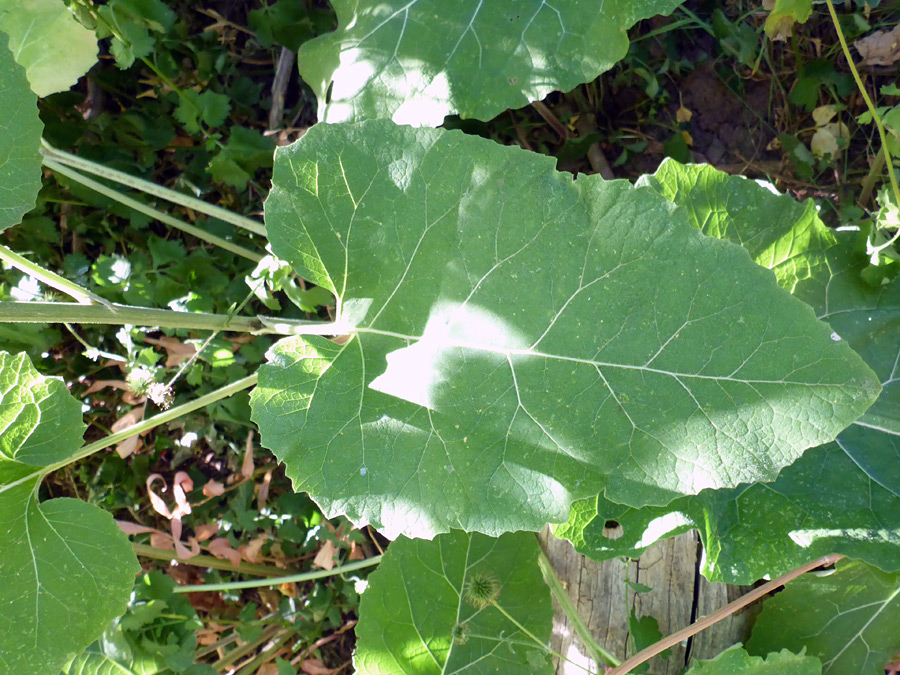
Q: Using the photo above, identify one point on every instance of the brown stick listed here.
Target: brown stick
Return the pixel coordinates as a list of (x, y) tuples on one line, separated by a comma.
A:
[(727, 610)]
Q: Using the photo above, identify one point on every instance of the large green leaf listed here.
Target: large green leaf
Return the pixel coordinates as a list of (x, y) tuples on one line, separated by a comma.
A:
[(46, 39), (843, 497), (20, 140), (849, 619), (736, 661), (415, 62), (66, 570), (423, 611), (518, 340)]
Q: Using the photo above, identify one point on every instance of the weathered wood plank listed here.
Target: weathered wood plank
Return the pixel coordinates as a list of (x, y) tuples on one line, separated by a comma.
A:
[(604, 601)]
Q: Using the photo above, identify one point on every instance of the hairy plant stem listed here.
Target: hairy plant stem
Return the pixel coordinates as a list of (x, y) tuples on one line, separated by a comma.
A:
[(156, 214), (275, 581), (153, 553), (73, 290), (596, 651), (715, 617), (882, 133), (151, 188), (71, 312)]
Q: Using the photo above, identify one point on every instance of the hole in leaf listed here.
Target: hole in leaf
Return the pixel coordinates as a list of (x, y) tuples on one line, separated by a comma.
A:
[(612, 529)]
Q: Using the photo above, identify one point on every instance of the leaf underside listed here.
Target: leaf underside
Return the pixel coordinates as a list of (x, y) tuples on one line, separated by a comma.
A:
[(415, 62), (519, 340), (66, 570), (417, 616), (843, 497)]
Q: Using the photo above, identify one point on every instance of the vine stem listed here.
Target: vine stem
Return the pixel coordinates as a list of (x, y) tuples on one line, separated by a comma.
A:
[(597, 652), (156, 214), (151, 188), (71, 312), (882, 134), (275, 581), (45, 276), (145, 551), (729, 609)]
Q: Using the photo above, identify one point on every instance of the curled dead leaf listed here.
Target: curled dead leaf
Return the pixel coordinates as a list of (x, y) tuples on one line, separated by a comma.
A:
[(205, 531), (213, 489), (881, 48), (325, 557), (223, 550)]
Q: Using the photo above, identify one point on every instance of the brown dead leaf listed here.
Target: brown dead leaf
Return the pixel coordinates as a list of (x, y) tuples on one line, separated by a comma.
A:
[(176, 351), (208, 636), (317, 667), (100, 385), (247, 465), (223, 550), (267, 669), (205, 531), (881, 48), (213, 489), (163, 541), (155, 500), (262, 496), (356, 552), (252, 551), (325, 557), (132, 444), (134, 528), (181, 486)]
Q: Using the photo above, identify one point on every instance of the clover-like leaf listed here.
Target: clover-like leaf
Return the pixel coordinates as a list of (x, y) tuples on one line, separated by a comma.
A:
[(20, 140), (736, 661), (459, 603), (516, 340), (53, 47), (415, 62), (847, 619), (842, 497), (66, 570)]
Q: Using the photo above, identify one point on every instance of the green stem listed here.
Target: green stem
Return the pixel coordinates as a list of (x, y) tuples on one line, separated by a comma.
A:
[(150, 211), (882, 134), (152, 422), (253, 666), (531, 635), (275, 581), (204, 561), (71, 312), (151, 188), (598, 653), (82, 295), (248, 648)]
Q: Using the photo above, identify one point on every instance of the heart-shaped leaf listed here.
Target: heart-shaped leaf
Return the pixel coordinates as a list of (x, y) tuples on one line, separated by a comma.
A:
[(415, 62), (517, 340), (460, 603), (843, 497), (66, 569)]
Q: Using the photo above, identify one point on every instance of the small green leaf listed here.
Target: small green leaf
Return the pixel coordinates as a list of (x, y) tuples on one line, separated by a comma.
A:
[(736, 661), (415, 62), (539, 340), (209, 108), (784, 15), (66, 569), (848, 619), (20, 141), (53, 47), (644, 631), (418, 616)]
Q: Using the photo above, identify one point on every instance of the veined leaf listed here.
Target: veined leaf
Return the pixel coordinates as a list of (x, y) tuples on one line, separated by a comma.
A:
[(424, 612), (46, 39), (843, 497), (518, 340), (66, 569), (415, 62), (847, 619), (20, 139), (736, 661)]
